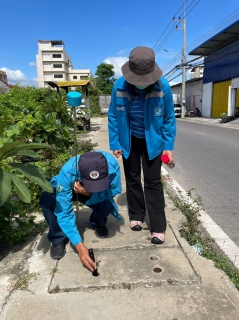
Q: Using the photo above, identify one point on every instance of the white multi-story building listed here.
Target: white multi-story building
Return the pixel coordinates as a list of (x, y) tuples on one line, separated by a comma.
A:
[(54, 64)]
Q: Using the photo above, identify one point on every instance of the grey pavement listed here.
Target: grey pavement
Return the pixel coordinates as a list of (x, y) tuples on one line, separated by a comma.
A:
[(137, 280), (214, 121)]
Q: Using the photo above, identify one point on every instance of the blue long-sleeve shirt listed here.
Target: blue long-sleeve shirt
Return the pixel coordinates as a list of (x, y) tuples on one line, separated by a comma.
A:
[(64, 184)]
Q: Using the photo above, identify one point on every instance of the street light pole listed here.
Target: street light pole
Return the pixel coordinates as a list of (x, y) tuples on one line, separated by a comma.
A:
[(184, 61), (183, 65), (172, 53)]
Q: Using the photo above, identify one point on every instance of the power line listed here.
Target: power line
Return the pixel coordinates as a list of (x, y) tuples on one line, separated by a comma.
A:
[(175, 69), (159, 46), (192, 7), (220, 26), (166, 28), (232, 18), (200, 63), (164, 40)]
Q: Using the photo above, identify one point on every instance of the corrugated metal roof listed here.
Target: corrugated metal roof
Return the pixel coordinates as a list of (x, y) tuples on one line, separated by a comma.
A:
[(219, 41)]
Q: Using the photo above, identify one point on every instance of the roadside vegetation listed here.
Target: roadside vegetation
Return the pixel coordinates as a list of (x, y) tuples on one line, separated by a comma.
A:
[(193, 232), (36, 139)]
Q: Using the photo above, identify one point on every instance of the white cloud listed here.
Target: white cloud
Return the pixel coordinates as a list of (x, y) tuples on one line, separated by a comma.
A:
[(16, 76), (32, 64), (117, 62), (123, 52)]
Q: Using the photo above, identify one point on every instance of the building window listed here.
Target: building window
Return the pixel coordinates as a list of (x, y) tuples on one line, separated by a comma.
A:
[(56, 55), (57, 65), (58, 75), (74, 77)]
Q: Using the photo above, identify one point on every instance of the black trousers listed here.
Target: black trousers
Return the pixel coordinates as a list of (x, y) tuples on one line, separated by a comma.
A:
[(48, 202), (152, 197)]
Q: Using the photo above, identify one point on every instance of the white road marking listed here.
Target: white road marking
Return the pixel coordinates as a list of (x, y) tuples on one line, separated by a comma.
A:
[(230, 249)]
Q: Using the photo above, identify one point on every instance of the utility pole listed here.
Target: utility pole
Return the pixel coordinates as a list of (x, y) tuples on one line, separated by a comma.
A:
[(184, 60)]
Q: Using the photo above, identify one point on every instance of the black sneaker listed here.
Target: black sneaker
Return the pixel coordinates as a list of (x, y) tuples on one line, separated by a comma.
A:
[(93, 221), (58, 250), (101, 232)]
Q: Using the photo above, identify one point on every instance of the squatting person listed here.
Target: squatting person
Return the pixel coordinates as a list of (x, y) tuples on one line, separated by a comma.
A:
[(94, 181)]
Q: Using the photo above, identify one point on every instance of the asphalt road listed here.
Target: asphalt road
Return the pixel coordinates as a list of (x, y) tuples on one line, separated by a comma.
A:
[(207, 159)]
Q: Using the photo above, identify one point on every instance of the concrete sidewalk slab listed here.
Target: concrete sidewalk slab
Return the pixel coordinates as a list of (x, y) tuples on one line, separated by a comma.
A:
[(126, 267)]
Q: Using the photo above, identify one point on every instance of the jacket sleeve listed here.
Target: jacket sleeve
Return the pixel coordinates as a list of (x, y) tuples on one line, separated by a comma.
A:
[(112, 122), (169, 121), (115, 182), (64, 207)]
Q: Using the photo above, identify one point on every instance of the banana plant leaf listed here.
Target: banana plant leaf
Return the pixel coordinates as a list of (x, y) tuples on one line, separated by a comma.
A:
[(8, 146), (34, 174), (29, 153), (22, 189), (5, 186), (25, 147)]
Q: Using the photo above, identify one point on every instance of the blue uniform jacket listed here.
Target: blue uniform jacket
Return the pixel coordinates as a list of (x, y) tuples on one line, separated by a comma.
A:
[(63, 184), (159, 118)]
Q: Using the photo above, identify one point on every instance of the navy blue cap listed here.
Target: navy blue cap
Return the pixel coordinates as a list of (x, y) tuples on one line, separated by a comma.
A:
[(93, 167)]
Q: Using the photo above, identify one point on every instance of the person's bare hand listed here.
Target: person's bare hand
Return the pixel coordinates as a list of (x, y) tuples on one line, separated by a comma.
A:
[(78, 188), (170, 154), (84, 257), (117, 153)]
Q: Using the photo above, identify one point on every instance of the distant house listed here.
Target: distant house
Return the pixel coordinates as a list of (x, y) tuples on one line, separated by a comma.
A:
[(193, 93), (4, 88), (12, 85), (3, 76), (54, 64)]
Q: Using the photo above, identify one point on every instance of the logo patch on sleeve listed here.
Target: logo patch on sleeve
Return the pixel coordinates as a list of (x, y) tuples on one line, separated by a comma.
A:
[(59, 188), (158, 112)]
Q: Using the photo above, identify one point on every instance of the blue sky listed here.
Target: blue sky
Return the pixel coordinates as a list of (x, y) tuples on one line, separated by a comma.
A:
[(99, 31)]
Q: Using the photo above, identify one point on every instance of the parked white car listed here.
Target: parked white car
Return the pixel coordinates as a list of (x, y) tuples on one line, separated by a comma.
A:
[(177, 110)]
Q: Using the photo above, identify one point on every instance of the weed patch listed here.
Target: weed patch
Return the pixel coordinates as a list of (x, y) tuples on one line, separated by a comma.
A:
[(22, 282), (193, 232)]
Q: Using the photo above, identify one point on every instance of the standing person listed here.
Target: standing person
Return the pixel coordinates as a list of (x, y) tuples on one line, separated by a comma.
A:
[(142, 127), (95, 180)]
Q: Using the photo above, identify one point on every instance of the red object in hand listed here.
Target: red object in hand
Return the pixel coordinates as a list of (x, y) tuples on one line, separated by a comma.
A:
[(165, 158)]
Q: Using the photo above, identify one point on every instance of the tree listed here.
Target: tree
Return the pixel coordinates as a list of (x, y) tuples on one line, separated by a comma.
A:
[(105, 78)]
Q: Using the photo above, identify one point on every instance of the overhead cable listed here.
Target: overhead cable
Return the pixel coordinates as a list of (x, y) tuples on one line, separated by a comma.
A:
[(159, 46)]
